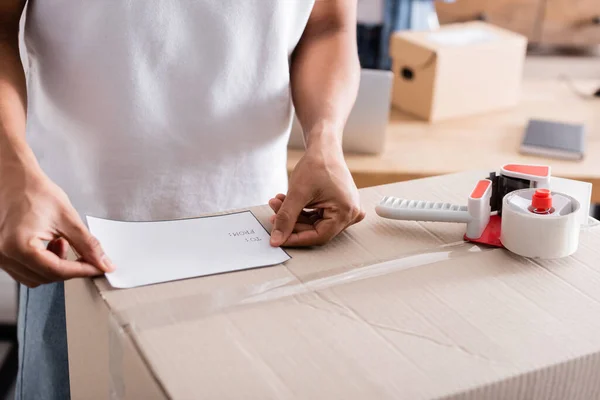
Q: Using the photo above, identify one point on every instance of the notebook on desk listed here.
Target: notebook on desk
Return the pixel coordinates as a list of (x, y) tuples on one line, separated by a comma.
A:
[(367, 124), (554, 139)]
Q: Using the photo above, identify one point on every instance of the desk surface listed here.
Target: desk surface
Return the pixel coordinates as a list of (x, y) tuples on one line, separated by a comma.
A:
[(416, 148)]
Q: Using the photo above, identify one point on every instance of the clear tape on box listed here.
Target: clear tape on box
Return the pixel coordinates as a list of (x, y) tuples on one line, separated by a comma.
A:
[(156, 315)]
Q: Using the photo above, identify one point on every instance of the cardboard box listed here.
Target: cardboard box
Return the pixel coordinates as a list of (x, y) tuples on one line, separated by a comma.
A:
[(457, 70), (389, 310)]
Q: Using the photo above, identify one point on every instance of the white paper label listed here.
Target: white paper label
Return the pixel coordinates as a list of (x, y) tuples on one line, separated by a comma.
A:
[(146, 253)]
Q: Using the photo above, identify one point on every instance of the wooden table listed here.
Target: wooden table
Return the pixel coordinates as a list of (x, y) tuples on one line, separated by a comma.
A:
[(418, 149)]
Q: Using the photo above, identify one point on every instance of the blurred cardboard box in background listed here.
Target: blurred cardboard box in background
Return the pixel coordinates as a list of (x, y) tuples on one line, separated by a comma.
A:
[(456, 71)]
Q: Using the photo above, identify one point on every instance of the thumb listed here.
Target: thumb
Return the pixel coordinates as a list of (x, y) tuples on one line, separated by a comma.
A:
[(86, 245), (286, 217)]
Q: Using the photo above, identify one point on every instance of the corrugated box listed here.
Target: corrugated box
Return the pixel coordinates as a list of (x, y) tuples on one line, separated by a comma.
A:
[(456, 71), (389, 310)]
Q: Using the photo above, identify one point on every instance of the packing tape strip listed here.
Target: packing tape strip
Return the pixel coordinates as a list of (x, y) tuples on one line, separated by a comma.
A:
[(177, 309), (148, 316), (123, 357), (156, 315), (532, 235), (116, 389)]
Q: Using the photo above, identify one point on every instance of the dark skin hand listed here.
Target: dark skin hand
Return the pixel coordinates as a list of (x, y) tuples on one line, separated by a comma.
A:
[(324, 186), (33, 209), (325, 76)]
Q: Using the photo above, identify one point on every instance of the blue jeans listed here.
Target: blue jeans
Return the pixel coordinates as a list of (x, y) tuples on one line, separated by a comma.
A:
[(43, 356), (374, 42)]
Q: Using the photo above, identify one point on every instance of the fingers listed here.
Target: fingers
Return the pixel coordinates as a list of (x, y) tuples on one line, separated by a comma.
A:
[(32, 262), (309, 218), (86, 245), (23, 274), (275, 204), (300, 227), (287, 216), (305, 217), (60, 269), (302, 224), (321, 233), (39, 261), (360, 215), (311, 228), (60, 247)]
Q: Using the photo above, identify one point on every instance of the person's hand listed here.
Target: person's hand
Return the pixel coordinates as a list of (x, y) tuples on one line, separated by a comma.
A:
[(321, 202), (33, 211)]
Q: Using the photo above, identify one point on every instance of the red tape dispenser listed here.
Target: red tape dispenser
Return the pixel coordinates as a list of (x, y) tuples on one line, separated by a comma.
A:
[(530, 211)]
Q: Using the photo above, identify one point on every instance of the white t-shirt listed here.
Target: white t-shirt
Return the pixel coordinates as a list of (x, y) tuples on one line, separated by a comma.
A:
[(370, 11), (158, 109)]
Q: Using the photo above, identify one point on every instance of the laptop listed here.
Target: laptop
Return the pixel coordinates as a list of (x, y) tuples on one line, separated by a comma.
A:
[(365, 131)]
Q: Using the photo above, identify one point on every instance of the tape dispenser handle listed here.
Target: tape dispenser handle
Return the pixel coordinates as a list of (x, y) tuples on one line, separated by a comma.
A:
[(476, 214), (418, 210)]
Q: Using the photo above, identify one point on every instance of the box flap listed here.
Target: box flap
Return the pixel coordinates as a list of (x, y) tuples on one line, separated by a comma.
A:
[(474, 33), (406, 52), (418, 49)]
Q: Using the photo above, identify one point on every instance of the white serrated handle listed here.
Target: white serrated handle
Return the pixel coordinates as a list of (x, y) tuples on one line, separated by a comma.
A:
[(415, 210), (476, 215)]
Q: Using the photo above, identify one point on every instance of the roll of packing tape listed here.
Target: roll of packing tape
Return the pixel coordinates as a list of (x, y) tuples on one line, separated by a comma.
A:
[(545, 236)]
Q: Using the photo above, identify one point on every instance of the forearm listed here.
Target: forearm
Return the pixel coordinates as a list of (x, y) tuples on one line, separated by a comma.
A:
[(325, 78), (13, 100)]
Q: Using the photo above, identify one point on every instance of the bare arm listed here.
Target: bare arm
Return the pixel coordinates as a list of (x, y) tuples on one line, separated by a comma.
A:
[(33, 210), (12, 86), (325, 77), (326, 71)]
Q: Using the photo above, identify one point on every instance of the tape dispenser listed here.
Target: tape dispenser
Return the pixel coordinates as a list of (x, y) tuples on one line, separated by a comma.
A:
[(514, 208)]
